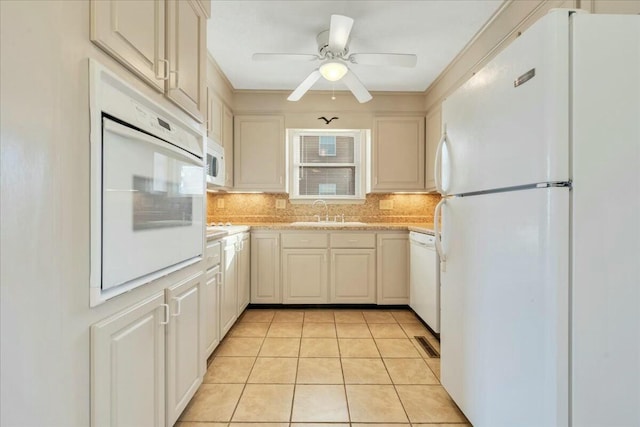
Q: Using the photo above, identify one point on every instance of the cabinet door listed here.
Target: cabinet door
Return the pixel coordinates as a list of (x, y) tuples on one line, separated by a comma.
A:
[(265, 268), (187, 54), (353, 276), (398, 154), (214, 117), (433, 134), (133, 33), (304, 276), (184, 361), (227, 143), (244, 267), (210, 312), (259, 162), (127, 367), (393, 268), (228, 292)]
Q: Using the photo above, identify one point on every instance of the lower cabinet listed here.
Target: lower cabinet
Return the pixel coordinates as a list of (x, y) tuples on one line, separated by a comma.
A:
[(304, 276), (146, 362), (210, 312), (393, 268), (353, 276), (265, 268), (244, 269), (183, 359), (228, 291), (128, 366)]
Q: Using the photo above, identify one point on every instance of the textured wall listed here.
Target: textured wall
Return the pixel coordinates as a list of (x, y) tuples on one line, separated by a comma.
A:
[(257, 208)]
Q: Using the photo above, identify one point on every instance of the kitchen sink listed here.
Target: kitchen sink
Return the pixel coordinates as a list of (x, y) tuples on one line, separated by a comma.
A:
[(327, 224)]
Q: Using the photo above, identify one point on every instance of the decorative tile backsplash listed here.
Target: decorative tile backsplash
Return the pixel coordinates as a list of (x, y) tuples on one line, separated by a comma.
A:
[(261, 208)]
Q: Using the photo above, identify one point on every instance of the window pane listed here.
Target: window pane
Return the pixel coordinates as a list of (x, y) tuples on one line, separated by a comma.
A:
[(317, 149), (316, 181), (327, 146)]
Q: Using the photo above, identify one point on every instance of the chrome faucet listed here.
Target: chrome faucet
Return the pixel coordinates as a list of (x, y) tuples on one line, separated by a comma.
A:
[(326, 209)]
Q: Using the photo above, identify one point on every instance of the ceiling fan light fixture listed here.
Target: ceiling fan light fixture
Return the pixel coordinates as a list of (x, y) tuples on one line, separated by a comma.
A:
[(333, 70)]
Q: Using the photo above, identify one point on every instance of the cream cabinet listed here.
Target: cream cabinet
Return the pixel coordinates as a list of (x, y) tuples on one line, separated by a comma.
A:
[(304, 276), (210, 297), (128, 366), (397, 157), (353, 276), (133, 32), (185, 364), (265, 268), (393, 268), (214, 116), (187, 55), (161, 41), (433, 135), (259, 153), (227, 143), (244, 271), (228, 289)]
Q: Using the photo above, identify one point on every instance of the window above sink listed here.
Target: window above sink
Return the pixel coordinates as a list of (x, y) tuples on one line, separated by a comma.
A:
[(327, 164)]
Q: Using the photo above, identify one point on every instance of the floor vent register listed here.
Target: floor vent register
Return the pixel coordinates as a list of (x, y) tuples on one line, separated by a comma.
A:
[(432, 352)]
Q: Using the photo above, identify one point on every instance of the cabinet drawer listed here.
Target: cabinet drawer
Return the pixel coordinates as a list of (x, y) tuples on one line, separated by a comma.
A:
[(304, 240), (353, 240), (212, 254)]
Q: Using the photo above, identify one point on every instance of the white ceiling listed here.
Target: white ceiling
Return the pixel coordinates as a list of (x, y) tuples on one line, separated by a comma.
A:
[(434, 30)]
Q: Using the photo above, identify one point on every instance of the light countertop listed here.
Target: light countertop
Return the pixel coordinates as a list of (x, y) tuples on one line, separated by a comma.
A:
[(222, 231)]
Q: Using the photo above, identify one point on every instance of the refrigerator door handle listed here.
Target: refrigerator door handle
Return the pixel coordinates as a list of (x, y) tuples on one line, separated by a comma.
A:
[(438, 164), (438, 236)]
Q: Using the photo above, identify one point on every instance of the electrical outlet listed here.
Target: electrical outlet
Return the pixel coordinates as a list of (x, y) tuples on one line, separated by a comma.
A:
[(220, 203), (386, 205), (281, 203)]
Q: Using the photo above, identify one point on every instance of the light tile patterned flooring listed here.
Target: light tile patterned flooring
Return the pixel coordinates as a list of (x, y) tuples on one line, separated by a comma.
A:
[(303, 368)]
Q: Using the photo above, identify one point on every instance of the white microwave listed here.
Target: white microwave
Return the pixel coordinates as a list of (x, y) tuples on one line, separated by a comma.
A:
[(215, 164)]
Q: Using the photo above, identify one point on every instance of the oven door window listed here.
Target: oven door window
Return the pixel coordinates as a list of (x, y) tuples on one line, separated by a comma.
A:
[(152, 205)]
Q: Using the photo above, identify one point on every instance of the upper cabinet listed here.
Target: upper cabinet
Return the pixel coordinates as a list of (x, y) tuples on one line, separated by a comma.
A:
[(187, 55), (133, 33), (214, 117), (259, 156), (434, 130), (398, 154), (161, 41), (227, 143)]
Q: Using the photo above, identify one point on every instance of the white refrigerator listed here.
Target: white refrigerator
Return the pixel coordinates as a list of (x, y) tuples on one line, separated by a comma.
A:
[(540, 237)]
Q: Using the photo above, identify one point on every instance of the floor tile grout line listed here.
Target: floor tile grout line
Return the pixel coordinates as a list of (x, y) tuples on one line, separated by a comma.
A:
[(244, 386), (394, 387), (295, 384)]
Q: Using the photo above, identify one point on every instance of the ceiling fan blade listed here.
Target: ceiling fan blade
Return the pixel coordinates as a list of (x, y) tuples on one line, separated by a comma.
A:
[(356, 87), (290, 57), (390, 59), (304, 86), (339, 32)]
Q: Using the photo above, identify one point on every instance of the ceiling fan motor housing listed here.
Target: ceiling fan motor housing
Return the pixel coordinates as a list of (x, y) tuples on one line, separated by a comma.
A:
[(323, 47)]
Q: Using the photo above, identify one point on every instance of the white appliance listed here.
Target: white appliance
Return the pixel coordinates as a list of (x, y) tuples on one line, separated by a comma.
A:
[(540, 250), (215, 164), (424, 279), (147, 188)]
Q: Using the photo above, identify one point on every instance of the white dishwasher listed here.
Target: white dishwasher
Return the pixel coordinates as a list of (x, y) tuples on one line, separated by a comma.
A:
[(424, 279)]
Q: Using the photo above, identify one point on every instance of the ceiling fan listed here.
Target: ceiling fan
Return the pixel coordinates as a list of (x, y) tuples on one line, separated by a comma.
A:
[(333, 53)]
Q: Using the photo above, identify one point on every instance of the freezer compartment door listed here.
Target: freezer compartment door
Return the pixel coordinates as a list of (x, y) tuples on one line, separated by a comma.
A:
[(606, 213), (508, 125), (504, 308)]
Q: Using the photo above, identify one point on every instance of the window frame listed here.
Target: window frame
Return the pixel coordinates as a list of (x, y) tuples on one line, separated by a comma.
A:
[(361, 139)]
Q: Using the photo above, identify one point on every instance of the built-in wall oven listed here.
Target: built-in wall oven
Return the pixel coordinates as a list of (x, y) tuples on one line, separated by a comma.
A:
[(147, 191)]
